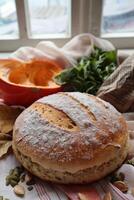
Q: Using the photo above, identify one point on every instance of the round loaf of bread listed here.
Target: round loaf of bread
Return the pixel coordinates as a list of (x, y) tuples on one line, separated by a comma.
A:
[(70, 138)]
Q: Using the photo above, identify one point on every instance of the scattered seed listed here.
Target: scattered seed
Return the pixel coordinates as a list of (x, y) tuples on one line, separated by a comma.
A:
[(30, 188), (131, 162), (32, 182), (19, 190), (19, 169), (14, 176), (82, 196), (130, 156), (22, 178), (121, 176), (117, 177), (107, 196), (29, 179), (15, 173), (122, 186), (13, 183), (7, 181), (11, 171), (132, 191)]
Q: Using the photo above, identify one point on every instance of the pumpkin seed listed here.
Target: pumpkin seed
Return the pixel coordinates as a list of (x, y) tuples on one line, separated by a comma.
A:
[(20, 169), (117, 177), (14, 176), (11, 171), (19, 190), (132, 191), (30, 188), (29, 179), (32, 182), (22, 178), (82, 196), (13, 183), (121, 176), (15, 173), (7, 180)]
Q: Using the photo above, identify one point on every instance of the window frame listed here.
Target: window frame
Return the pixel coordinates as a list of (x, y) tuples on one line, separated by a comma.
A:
[(95, 27), (79, 14), (86, 16)]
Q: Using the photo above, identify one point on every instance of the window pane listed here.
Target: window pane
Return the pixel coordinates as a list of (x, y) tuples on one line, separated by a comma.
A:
[(118, 18), (49, 18), (8, 20)]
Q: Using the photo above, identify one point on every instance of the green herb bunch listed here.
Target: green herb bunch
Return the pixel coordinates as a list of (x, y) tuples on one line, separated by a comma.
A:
[(89, 72)]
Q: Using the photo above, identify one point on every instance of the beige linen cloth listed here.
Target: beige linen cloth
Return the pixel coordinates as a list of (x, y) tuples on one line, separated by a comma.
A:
[(81, 45), (118, 89)]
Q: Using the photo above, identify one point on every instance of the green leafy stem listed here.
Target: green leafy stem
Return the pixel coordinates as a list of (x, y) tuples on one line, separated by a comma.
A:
[(89, 73)]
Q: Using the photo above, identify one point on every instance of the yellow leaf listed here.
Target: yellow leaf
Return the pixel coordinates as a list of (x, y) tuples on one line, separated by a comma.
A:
[(4, 147), (8, 116)]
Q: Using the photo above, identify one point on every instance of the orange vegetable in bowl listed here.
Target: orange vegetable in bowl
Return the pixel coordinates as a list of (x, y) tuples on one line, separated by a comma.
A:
[(21, 83)]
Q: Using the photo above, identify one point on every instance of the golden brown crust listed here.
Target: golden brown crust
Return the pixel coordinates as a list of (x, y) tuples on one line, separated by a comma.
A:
[(87, 175), (70, 132)]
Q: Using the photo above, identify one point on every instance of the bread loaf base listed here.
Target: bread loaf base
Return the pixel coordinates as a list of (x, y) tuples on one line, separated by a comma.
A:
[(88, 175)]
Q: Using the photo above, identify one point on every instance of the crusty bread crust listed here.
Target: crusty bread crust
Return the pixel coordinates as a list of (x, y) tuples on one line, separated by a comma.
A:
[(88, 175), (71, 133)]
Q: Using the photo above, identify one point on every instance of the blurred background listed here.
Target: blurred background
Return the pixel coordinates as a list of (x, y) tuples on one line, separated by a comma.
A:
[(44, 17), (30, 20)]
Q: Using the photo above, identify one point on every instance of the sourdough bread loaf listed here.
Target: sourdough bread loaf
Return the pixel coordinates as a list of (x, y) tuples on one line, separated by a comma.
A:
[(70, 138)]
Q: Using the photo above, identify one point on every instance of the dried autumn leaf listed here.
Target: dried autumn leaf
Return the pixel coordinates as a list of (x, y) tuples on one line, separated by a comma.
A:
[(8, 116), (4, 136), (5, 147), (2, 142)]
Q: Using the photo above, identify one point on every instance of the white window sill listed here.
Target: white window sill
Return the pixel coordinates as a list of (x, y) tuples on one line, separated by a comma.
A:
[(127, 51), (4, 55)]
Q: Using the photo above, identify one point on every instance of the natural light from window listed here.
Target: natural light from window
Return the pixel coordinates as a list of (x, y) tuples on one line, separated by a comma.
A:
[(8, 20), (49, 18), (45, 19), (118, 18)]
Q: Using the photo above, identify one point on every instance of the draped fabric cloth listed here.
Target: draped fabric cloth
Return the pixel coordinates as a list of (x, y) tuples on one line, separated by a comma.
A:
[(118, 88), (81, 45)]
